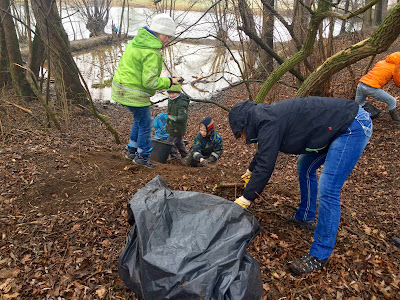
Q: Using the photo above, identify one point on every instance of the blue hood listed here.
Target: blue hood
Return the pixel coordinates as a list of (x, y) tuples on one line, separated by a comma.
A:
[(239, 116)]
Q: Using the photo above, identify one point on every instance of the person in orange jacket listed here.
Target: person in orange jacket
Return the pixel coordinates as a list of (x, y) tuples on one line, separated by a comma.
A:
[(371, 85)]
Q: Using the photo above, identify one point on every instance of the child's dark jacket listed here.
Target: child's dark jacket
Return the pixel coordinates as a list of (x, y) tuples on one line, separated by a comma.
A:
[(209, 146), (178, 108)]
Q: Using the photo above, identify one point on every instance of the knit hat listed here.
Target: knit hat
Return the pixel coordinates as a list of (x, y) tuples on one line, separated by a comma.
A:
[(163, 23), (175, 88), (209, 123)]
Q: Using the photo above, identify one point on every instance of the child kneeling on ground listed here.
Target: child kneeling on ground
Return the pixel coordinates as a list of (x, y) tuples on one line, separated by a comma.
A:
[(207, 146)]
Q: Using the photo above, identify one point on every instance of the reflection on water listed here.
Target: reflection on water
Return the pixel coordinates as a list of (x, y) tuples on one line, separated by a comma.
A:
[(190, 61), (186, 60)]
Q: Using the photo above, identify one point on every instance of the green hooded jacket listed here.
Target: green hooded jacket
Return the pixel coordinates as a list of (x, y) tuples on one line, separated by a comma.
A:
[(178, 108), (138, 73)]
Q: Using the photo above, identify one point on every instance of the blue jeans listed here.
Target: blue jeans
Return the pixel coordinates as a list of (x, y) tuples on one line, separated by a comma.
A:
[(142, 127), (338, 162), (364, 90)]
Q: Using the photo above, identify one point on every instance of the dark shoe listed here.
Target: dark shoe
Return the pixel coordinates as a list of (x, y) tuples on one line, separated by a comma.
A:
[(309, 225), (173, 156), (395, 117), (396, 241), (188, 161), (307, 264), (143, 161), (130, 155), (131, 152), (373, 110)]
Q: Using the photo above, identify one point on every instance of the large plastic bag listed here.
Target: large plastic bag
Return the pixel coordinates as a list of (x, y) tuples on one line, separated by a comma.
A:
[(188, 245)]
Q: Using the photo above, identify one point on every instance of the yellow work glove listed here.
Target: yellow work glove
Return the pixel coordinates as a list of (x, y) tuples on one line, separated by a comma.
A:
[(246, 177), (243, 202)]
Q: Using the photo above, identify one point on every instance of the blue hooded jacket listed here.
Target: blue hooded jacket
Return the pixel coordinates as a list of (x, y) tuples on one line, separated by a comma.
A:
[(160, 123)]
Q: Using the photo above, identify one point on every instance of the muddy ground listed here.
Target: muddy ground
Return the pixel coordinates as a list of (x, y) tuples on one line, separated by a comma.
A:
[(63, 197)]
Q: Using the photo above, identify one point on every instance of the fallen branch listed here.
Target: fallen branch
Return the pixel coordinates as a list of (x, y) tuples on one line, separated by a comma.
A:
[(228, 185), (28, 111)]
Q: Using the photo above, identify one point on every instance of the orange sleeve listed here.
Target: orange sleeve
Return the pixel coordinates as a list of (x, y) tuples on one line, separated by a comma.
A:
[(396, 75)]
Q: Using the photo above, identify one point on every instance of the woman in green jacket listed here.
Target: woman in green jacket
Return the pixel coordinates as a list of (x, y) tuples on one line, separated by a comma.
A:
[(138, 77)]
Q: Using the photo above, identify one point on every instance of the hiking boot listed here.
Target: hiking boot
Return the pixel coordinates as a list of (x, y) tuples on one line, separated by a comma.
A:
[(307, 264), (309, 225), (395, 117), (373, 110), (396, 241), (143, 161)]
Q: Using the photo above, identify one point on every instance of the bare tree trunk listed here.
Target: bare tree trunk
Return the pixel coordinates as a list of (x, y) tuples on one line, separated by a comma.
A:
[(267, 36), (37, 57), (367, 21), (247, 17), (5, 77), (379, 42), (64, 68), (346, 9), (19, 81), (378, 13), (122, 19)]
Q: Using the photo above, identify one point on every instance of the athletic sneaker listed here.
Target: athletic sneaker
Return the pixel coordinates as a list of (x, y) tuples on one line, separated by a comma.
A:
[(130, 155), (143, 161), (307, 264)]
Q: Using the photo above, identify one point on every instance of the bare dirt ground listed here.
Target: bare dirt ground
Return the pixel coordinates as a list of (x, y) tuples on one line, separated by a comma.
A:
[(63, 197)]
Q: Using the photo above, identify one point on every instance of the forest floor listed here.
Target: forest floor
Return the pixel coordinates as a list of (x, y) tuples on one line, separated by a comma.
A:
[(63, 197)]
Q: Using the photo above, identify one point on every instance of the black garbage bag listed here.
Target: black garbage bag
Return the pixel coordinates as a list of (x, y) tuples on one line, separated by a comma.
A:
[(188, 245)]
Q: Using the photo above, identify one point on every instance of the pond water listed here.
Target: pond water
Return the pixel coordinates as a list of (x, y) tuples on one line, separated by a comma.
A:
[(190, 61)]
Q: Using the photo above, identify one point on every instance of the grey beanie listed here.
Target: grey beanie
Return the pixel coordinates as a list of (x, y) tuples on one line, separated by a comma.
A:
[(163, 23)]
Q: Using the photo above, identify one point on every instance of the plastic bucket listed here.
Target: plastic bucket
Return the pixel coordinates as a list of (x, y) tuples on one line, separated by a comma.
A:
[(161, 149)]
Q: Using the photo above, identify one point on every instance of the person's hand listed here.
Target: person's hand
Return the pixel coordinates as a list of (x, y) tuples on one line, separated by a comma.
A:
[(203, 162), (172, 118), (243, 202), (246, 177), (176, 80)]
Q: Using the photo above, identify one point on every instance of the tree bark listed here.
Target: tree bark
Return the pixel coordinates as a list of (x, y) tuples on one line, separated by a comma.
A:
[(379, 42), (346, 8), (37, 57), (19, 81), (64, 68), (5, 77), (267, 36)]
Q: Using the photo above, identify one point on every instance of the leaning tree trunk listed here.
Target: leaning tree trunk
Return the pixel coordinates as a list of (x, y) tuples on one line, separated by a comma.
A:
[(64, 68), (19, 81), (379, 42)]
